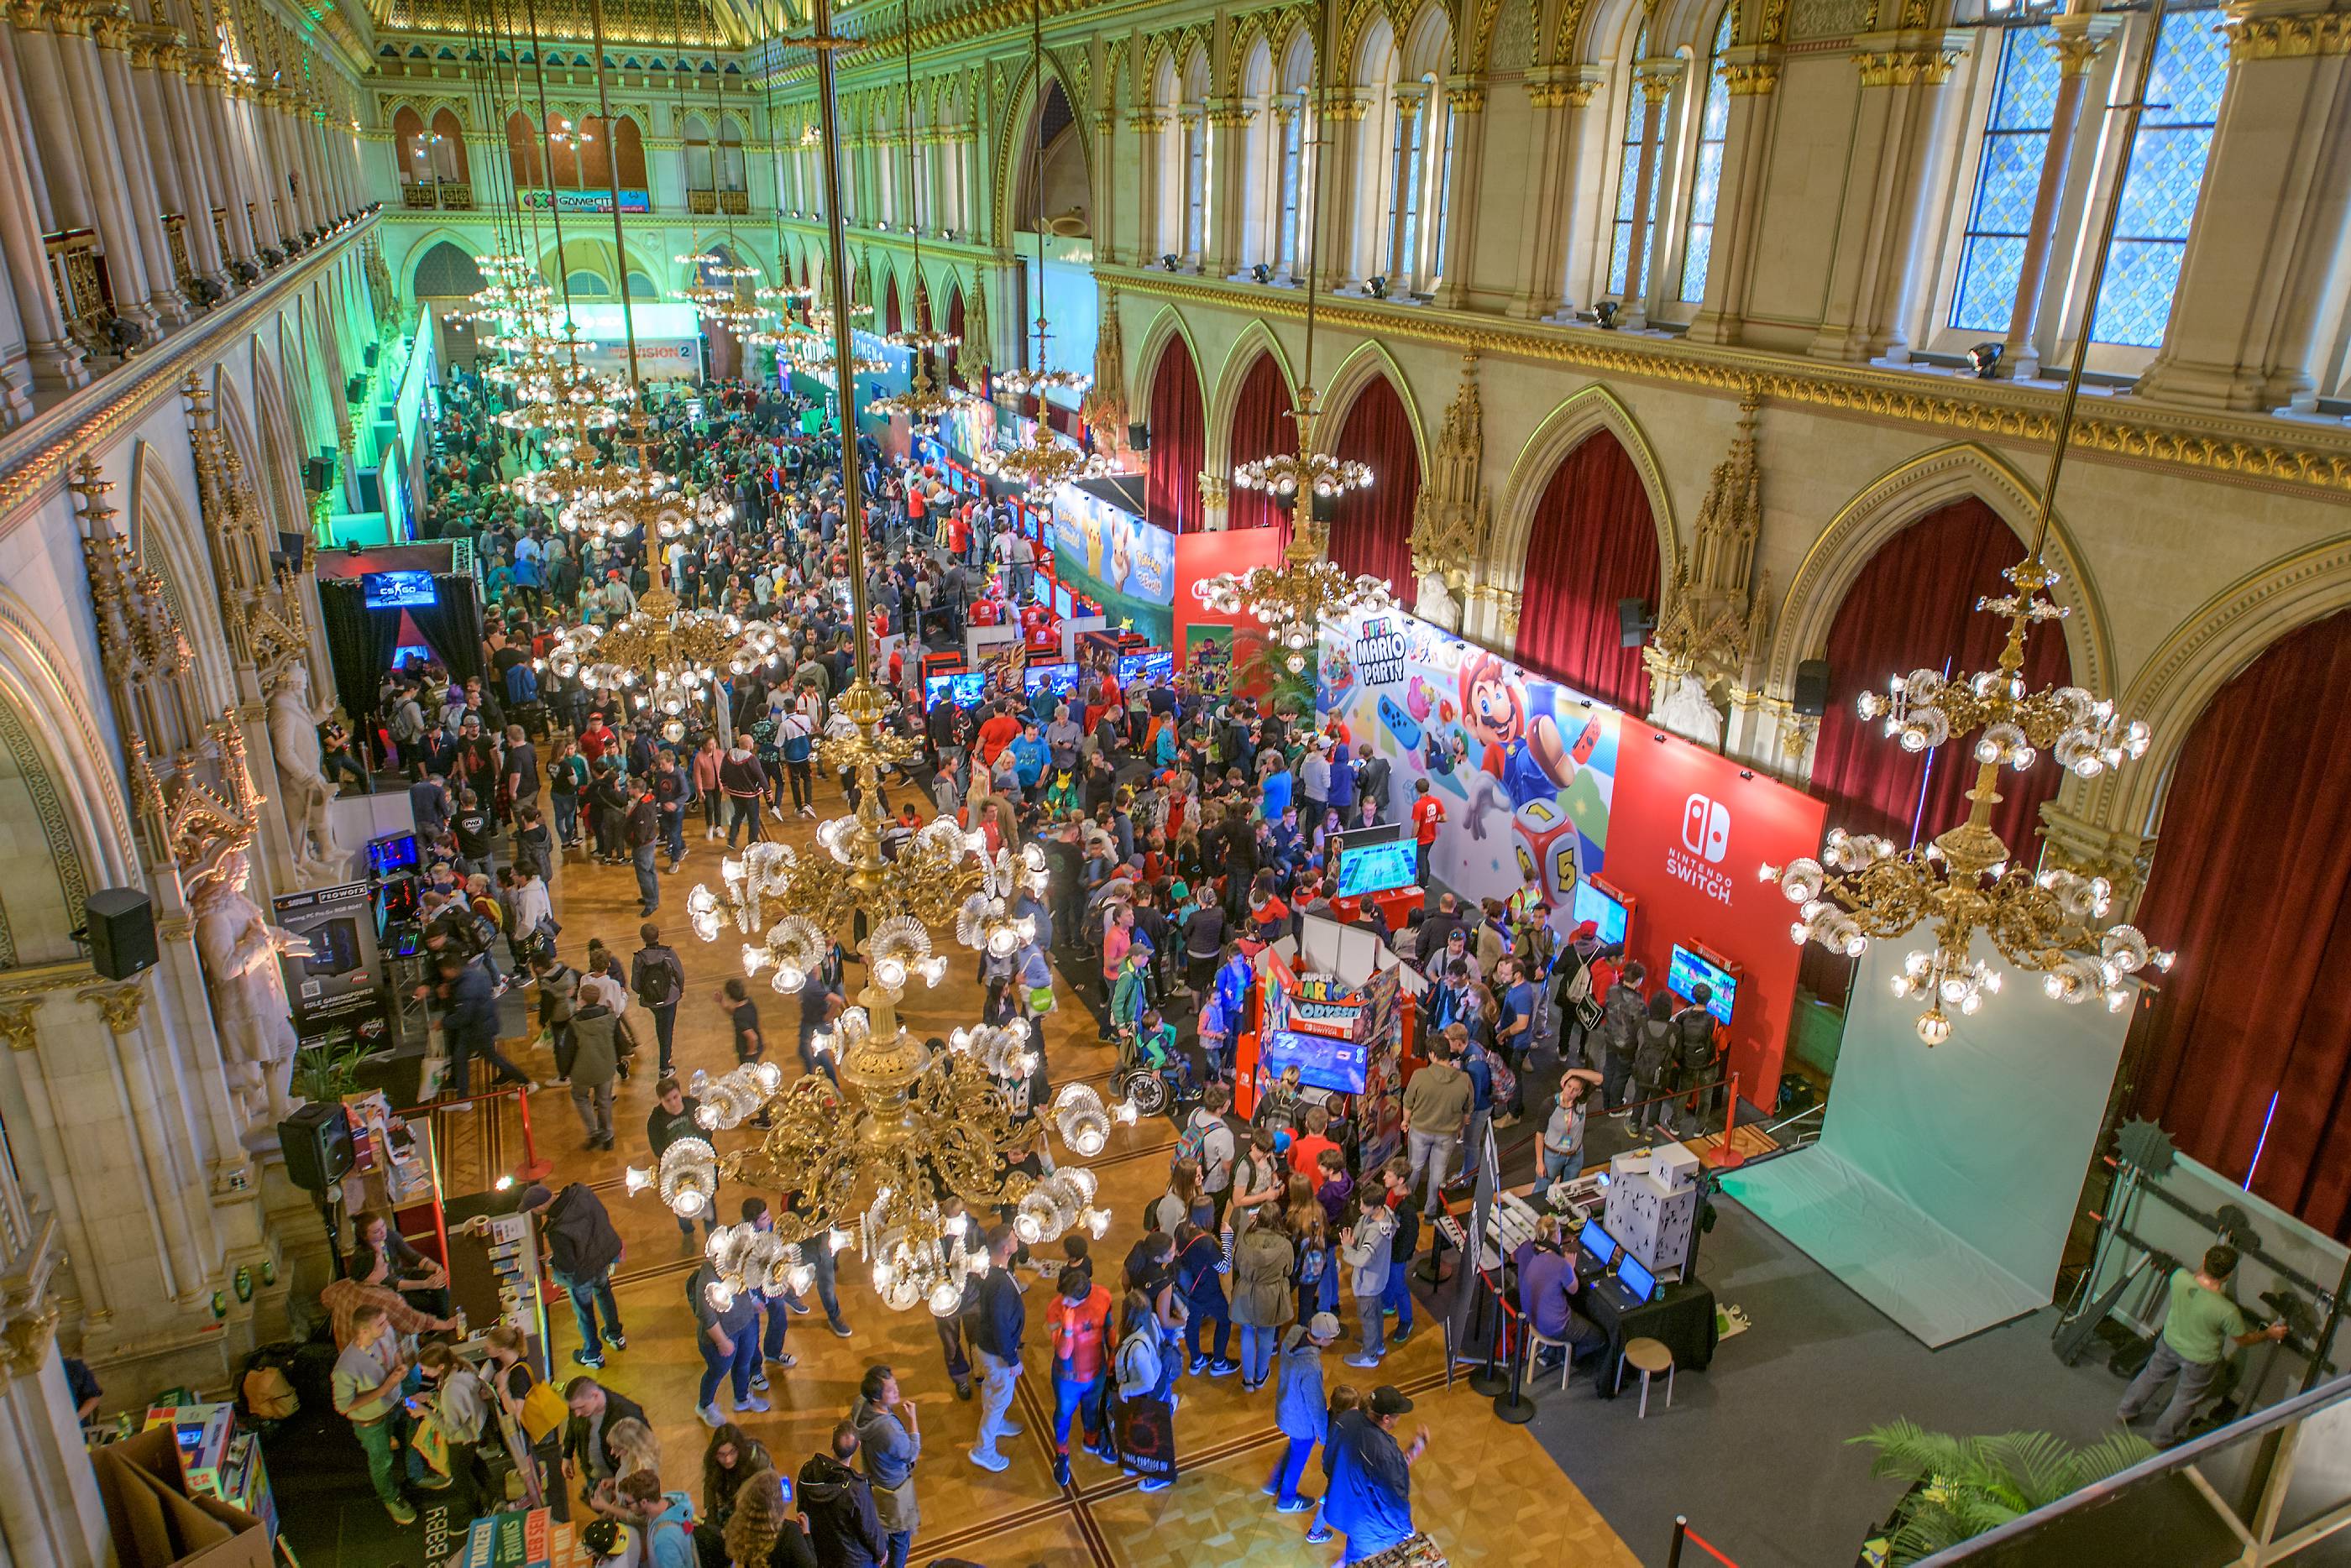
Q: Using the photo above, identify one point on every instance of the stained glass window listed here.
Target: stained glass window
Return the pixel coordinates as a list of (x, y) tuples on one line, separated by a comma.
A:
[(1441, 182), (1628, 178), (1705, 187), (2167, 171), (2008, 178), (1293, 180)]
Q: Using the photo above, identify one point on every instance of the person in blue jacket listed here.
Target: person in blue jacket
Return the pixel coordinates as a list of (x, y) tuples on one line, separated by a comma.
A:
[(1299, 1407), (1370, 1500)]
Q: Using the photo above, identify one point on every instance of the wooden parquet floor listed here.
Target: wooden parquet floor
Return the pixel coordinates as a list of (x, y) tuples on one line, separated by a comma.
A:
[(1487, 1491)]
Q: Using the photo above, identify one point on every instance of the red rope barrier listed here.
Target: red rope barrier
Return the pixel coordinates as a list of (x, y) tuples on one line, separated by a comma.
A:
[(1703, 1544)]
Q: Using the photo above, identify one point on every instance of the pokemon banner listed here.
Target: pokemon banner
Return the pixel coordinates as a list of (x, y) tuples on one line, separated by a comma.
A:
[(1119, 561), (1540, 784)]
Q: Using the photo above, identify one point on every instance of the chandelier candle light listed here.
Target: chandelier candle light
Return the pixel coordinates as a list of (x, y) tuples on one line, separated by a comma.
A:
[(879, 1161), (666, 658), (1965, 882)]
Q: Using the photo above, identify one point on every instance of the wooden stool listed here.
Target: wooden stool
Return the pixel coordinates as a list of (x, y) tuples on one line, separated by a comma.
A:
[(1566, 1355), (1650, 1358)]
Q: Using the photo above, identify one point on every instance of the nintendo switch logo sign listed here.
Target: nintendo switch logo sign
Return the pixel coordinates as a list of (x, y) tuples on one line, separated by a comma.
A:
[(1705, 843), (1706, 828)]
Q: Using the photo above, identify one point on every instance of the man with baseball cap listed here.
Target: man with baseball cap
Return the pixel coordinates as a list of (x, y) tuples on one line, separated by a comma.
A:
[(1301, 1409), (1370, 1500)]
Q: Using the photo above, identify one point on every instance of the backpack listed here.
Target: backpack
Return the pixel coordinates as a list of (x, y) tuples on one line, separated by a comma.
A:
[(1193, 1145), (1138, 1363), (405, 728), (522, 685), (1653, 1050), (1310, 1259), (1694, 1028), (657, 982)]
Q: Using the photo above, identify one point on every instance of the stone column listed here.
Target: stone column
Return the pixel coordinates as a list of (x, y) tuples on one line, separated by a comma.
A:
[(1103, 219), (1466, 97), (51, 359), (1149, 125), (1228, 130), (1559, 95), (1752, 76), (80, 94), (2079, 36), (2275, 213), (111, 37), (50, 1513), (1656, 80), (200, 176), (1902, 79), (1336, 187)]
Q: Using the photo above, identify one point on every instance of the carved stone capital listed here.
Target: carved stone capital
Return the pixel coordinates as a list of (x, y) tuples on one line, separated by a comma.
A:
[(117, 1005), (2289, 37), (1759, 80), (17, 1025), (2078, 38), (25, 1338), (1909, 61), (1657, 78)]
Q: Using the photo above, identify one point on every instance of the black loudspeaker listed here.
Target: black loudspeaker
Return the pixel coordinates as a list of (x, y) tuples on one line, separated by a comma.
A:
[(318, 1144), (1633, 622), (1812, 697), (374, 352), (1138, 435), (355, 388), (318, 474), (121, 927)]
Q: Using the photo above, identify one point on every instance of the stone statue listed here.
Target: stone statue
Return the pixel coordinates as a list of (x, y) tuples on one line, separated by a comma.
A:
[(302, 786), (1689, 712), (239, 950)]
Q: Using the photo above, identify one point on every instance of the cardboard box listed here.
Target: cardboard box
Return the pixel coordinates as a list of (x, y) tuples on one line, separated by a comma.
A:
[(156, 1524)]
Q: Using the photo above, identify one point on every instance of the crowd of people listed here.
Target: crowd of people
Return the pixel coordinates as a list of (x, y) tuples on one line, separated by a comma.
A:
[(1184, 823)]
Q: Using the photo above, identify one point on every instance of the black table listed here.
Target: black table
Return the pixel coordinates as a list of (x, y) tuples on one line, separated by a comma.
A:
[(1680, 1317)]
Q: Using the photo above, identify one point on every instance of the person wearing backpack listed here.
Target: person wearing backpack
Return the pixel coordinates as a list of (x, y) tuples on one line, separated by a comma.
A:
[(796, 742), (1620, 1023), (408, 731), (1695, 1053), (1581, 973), (595, 1062), (558, 1004), (1207, 1141), (1297, 1407), (658, 979), (1141, 1372), (1652, 1068), (665, 1520), (1366, 1248), (1201, 1262), (581, 1250)]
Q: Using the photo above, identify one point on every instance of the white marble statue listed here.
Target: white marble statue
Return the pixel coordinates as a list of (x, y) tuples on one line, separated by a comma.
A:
[(302, 788), (1689, 712), (239, 949)]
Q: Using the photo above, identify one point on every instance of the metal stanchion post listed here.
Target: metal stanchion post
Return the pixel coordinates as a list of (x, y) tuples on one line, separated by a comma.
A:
[(533, 1167), (1512, 1405), (1674, 1552), (1488, 1379), (1722, 1157)]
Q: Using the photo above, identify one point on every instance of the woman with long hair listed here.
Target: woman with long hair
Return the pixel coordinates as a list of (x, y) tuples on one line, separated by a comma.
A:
[(730, 1461)]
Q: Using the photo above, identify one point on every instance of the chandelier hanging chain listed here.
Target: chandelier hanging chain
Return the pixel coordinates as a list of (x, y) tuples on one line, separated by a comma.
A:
[(612, 168)]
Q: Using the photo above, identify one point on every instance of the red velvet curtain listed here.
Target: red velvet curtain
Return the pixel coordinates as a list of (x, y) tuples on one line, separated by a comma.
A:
[(892, 321), (953, 325), (1263, 425), (1372, 534), (1913, 608), (1593, 543), (1179, 444), (2252, 883)]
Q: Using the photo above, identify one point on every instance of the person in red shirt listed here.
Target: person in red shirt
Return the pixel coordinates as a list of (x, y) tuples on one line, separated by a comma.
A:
[(1079, 1321), (998, 733), (1427, 811), (1306, 1149), (596, 739)]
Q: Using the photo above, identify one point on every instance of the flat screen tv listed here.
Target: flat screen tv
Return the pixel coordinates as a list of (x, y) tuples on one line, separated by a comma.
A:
[(1368, 869), (965, 688), (399, 590), (1153, 667), (1062, 678), (1690, 970), (1602, 909), (1336, 1066)]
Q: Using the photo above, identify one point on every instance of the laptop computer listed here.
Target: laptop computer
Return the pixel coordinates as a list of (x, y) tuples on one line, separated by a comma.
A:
[(1597, 1247), (1634, 1283)]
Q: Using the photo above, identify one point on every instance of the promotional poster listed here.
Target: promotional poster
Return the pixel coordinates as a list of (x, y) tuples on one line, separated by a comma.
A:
[(1119, 561), (1542, 786), (336, 983), (1208, 642)]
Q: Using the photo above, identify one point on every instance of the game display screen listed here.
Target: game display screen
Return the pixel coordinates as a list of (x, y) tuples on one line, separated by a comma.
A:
[(393, 852), (1061, 678), (1150, 667), (1323, 1063), (965, 688), (1368, 869), (1689, 971), (1592, 904), (1062, 605), (398, 590)]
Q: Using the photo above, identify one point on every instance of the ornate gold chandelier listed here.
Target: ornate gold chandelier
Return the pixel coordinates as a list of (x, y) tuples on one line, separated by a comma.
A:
[(924, 399), (1315, 473), (616, 499), (664, 657), (1965, 880), (877, 1161)]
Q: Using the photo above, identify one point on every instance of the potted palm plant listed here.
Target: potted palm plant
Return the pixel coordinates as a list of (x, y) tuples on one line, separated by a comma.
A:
[(1962, 1487)]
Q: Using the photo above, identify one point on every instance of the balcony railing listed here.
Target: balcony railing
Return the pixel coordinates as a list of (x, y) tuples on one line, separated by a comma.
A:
[(448, 196)]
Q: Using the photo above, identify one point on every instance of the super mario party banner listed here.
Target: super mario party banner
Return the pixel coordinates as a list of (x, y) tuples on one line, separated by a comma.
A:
[(1541, 784)]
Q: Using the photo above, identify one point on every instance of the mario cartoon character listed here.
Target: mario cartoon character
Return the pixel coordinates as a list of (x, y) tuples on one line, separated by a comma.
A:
[(1336, 673), (1522, 747)]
